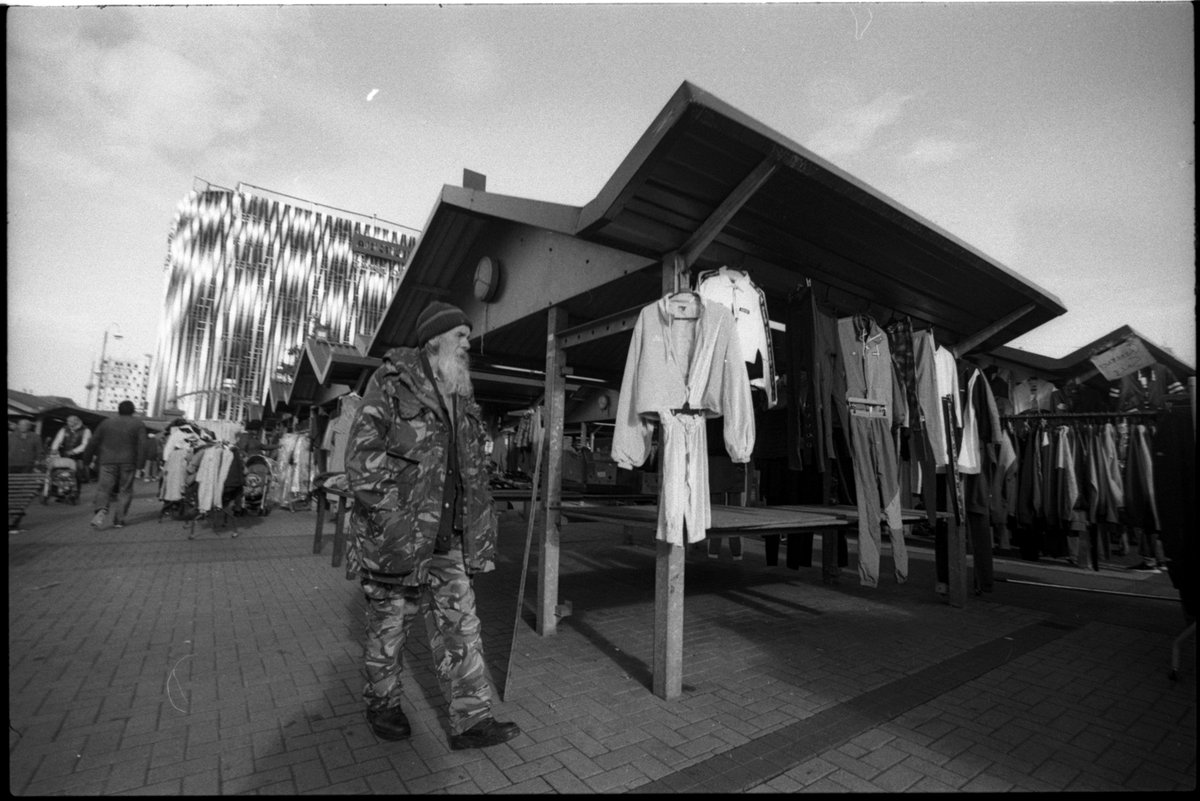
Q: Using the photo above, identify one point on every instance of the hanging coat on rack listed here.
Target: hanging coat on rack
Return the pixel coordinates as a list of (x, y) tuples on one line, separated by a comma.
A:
[(684, 365), (735, 290)]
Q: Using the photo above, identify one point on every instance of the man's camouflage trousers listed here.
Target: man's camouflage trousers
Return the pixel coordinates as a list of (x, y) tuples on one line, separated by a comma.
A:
[(448, 603)]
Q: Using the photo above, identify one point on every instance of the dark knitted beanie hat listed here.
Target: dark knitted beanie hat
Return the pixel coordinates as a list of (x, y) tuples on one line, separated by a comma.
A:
[(438, 318)]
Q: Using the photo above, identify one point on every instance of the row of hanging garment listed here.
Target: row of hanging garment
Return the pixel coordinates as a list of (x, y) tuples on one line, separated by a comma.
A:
[(1077, 474), (219, 475), (882, 387), (337, 432), (295, 469), (182, 451), (531, 427)]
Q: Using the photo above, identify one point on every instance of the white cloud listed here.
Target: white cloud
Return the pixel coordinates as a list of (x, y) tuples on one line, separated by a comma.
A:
[(934, 150), (852, 129)]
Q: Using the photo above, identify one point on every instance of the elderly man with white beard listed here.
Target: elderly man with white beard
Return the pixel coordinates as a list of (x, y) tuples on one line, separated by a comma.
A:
[(422, 525)]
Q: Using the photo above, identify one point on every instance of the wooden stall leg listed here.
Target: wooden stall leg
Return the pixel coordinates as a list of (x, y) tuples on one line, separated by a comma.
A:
[(830, 570), (322, 506), (668, 620), (799, 549), (339, 532), (956, 541), (771, 548)]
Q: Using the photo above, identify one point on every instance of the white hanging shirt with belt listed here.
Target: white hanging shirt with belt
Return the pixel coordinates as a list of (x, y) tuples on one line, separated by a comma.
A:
[(684, 365), (734, 290)]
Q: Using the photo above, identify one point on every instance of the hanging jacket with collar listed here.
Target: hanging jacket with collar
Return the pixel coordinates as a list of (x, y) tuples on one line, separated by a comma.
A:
[(659, 379), (396, 466), (735, 290), (688, 363)]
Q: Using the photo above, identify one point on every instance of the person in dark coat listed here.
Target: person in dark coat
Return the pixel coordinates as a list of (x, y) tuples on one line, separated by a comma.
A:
[(25, 448), (120, 445)]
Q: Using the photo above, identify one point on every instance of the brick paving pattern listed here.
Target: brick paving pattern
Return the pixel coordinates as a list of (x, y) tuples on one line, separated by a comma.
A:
[(141, 662)]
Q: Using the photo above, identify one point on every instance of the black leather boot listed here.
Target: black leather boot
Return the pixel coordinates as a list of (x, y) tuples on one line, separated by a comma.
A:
[(389, 724), (484, 733)]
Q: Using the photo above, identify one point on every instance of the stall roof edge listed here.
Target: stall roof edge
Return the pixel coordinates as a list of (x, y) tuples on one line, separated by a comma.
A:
[(458, 217), (684, 185), (1078, 361)]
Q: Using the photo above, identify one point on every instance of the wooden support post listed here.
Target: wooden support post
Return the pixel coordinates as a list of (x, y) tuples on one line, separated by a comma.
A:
[(674, 273), (551, 497), (956, 545), (830, 570), (956, 541), (322, 507), (339, 532), (668, 620)]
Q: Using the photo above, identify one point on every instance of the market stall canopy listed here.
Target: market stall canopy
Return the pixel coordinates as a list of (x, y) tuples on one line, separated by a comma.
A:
[(58, 415), (1120, 351), (705, 186), (327, 370), (322, 366)]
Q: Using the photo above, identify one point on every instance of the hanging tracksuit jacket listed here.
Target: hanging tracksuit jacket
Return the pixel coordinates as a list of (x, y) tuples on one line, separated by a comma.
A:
[(684, 365)]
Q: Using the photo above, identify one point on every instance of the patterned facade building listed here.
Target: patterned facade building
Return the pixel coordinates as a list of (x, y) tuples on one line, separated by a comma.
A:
[(123, 379), (251, 274)]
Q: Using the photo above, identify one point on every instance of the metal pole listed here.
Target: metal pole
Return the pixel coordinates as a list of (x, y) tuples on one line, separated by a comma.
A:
[(100, 378)]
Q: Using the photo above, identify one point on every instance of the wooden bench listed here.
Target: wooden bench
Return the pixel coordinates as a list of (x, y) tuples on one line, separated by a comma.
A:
[(22, 489)]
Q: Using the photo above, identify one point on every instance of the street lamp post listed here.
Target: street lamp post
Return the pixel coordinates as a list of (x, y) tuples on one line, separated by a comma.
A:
[(103, 351)]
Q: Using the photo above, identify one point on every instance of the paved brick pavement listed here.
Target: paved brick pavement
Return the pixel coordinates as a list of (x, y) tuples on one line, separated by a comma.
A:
[(141, 662)]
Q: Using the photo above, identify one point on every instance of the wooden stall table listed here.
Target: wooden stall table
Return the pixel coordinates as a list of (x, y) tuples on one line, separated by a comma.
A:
[(727, 521), (326, 486), (524, 496), (831, 548)]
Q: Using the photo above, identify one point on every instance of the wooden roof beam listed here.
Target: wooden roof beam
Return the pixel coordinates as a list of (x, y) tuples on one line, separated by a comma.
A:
[(968, 344), (703, 236)]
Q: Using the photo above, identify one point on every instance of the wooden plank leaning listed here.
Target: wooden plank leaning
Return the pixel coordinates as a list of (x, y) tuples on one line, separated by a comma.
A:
[(533, 505)]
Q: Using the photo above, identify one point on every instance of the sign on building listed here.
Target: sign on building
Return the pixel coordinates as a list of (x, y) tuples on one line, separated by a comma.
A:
[(381, 248), (1123, 359)]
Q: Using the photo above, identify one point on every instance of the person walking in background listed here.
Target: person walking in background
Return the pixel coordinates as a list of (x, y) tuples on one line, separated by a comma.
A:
[(70, 442), (154, 456), (120, 445), (25, 448), (422, 525)]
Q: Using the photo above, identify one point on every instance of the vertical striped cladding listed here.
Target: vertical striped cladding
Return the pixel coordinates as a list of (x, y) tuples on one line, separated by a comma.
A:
[(249, 276)]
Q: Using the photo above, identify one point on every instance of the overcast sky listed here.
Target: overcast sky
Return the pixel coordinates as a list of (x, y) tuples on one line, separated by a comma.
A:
[(1057, 139)]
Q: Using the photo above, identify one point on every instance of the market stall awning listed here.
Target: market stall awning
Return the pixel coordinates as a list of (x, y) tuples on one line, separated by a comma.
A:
[(1120, 349), (708, 186)]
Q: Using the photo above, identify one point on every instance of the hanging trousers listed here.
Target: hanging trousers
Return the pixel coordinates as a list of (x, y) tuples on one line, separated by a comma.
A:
[(683, 498), (869, 377)]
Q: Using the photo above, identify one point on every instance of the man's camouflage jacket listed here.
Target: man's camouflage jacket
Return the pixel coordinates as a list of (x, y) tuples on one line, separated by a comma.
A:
[(396, 458)]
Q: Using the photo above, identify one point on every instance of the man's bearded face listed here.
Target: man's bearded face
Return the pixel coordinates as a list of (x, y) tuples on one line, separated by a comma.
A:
[(451, 363)]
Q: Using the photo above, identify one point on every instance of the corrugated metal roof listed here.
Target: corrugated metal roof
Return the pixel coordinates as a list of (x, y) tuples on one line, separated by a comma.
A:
[(721, 187)]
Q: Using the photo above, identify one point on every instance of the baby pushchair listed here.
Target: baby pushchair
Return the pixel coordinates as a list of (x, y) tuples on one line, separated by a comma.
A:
[(62, 480), (259, 480)]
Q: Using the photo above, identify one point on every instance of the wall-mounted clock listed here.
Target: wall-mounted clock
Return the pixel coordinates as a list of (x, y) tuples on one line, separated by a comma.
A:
[(487, 279)]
